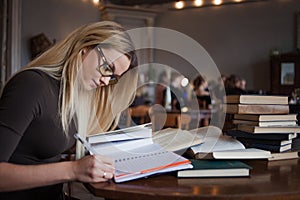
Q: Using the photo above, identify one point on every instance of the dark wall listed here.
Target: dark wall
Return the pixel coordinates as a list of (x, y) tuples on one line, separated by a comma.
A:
[(54, 18), (239, 37)]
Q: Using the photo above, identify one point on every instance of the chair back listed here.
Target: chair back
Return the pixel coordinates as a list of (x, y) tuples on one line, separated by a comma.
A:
[(140, 112)]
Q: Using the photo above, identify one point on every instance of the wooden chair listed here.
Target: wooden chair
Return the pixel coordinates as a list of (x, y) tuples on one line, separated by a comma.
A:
[(162, 120), (139, 112), (184, 121)]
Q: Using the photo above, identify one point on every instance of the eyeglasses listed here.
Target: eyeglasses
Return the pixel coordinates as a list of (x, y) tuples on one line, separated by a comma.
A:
[(106, 69)]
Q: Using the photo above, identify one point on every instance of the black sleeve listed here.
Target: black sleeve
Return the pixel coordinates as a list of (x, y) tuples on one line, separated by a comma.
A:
[(19, 105)]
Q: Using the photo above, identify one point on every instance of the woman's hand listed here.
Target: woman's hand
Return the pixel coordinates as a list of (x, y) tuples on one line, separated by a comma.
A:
[(94, 168)]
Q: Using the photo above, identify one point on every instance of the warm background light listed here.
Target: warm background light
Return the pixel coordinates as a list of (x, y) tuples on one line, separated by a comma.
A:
[(179, 4), (217, 2), (198, 3), (184, 82), (96, 2)]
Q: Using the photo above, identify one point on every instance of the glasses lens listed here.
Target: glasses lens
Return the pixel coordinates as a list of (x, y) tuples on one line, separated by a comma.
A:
[(113, 80), (105, 70)]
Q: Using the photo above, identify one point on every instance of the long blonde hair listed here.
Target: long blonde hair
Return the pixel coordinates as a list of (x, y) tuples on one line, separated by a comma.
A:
[(96, 110)]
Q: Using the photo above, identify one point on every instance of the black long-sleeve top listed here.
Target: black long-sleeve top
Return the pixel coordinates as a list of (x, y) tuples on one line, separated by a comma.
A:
[(30, 128)]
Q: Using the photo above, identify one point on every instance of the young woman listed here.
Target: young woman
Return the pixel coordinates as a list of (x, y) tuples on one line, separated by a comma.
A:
[(81, 84)]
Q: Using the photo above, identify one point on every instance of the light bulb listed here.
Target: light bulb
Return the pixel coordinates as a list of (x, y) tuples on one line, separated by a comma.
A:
[(184, 82), (96, 2), (217, 2), (179, 4), (198, 3)]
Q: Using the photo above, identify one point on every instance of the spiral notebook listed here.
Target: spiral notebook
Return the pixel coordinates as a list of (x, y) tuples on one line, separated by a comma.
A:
[(148, 160), (141, 157)]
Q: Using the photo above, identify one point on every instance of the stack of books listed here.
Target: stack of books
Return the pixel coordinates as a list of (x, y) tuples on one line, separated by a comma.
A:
[(262, 121)]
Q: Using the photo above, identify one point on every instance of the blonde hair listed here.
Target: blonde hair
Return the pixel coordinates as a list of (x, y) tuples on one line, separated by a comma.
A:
[(96, 110)]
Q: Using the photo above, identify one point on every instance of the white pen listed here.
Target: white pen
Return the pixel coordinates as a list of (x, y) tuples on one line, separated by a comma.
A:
[(85, 144)]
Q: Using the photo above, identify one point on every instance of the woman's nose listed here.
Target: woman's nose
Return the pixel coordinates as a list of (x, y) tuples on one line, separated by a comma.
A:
[(104, 80)]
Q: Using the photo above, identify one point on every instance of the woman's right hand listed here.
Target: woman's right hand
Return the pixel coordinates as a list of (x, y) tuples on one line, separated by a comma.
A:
[(93, 168)]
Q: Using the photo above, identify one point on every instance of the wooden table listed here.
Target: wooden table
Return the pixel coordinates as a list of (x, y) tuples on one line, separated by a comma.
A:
[(268, 180)]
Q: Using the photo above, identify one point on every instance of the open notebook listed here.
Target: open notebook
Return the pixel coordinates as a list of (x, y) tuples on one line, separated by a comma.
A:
[(148, 160), (140, 157)]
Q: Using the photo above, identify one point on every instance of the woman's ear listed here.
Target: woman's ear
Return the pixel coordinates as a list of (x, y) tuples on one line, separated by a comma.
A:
[(84, 52)]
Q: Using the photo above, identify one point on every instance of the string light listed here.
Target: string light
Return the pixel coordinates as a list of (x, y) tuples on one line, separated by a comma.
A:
[(187, 4), (217, 2), (179, 4), (198, 3), (96, 2)]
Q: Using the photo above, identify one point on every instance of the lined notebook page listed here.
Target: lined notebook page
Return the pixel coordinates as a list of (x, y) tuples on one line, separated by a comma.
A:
[(150, 159)]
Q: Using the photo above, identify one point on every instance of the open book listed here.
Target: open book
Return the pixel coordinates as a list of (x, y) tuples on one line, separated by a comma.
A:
[(177, 140), (130, 133), (217, 146), (137, 157)]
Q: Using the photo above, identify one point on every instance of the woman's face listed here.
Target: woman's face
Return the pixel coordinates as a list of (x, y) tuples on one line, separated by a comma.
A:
[(91, 76)]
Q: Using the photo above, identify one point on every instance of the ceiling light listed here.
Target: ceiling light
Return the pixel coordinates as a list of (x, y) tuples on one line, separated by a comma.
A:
[(217, 2), (179, 4), (184, 82), (198, 3), (96, 2)]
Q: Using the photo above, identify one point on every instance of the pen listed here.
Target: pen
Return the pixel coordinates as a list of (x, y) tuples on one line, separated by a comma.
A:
[(85, 144)]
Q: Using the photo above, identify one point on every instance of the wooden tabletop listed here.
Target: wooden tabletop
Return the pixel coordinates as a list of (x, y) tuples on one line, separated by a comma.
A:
[(268, 180)]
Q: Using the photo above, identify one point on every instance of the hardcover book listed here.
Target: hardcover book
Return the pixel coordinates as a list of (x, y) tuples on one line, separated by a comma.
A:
[(284, 155), (256, 109), (261, 136), (273, 129), (269, 142), (257, 99), (296, 143), (262, 118), (268, 147), (265, 123), (215, 168)]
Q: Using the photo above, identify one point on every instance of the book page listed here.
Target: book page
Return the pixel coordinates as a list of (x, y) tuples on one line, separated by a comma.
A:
[(217, 143), (173, 139), (250, 153), (110, 148), (130, 133)]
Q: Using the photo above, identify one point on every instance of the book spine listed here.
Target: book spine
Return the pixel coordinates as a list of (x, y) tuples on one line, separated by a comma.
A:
[(266, 142), (272, 148), (257, 109), (267, 136)]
